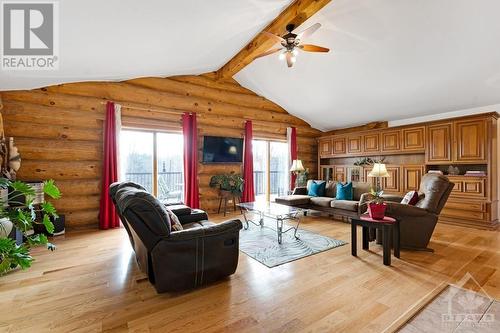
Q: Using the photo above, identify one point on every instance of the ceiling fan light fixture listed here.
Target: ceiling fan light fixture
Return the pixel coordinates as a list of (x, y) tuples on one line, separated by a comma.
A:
[(282, 56), (295, 52)]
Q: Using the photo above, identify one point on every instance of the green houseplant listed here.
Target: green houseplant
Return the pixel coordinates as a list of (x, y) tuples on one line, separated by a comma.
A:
[(22, 213), (229, 182)]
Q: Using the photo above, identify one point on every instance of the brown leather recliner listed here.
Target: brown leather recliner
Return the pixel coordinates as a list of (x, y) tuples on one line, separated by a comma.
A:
[(175, 260), (417, 222)]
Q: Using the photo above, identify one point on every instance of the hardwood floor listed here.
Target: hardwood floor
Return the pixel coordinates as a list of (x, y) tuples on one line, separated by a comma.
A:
[(92, 283)]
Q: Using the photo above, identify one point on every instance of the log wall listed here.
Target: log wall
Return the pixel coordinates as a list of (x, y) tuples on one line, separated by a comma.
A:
[(58, 129)]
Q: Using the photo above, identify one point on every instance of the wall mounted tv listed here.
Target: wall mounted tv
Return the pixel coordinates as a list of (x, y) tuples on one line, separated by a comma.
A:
[(218, 149)]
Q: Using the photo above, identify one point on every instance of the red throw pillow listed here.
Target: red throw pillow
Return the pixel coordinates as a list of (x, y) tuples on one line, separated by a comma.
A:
[(411, 198)]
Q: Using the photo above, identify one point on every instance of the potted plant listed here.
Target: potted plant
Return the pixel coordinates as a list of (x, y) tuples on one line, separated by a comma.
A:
[(377, 206), (18, 208), (230, 183)]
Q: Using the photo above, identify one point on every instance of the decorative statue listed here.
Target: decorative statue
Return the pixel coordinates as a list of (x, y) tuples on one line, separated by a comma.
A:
[(9, 155)]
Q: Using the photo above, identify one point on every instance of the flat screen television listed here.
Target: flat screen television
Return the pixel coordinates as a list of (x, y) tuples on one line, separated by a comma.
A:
[(218, 149)]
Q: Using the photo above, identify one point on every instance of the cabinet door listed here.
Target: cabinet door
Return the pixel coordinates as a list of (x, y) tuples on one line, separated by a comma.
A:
[(412, 175), (354, 174), (339, 174), (392, 183), (470, 141), (439, 143), (414, 139), (371, 143), (391, 141), (354, 144), (326, 172), (339, 147), (325, 147)]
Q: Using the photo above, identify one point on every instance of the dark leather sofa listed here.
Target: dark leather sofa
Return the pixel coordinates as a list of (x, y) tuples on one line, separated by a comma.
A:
[(174, 261)]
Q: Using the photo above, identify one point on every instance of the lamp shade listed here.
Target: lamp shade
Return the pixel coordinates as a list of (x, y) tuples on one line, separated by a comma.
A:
[(297, 166), (379, 170)]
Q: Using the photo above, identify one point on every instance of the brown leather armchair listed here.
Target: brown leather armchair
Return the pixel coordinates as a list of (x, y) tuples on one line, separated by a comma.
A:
[(175, 260), (417, 222)]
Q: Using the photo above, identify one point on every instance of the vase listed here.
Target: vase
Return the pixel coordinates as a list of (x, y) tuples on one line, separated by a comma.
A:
[(376, 210)]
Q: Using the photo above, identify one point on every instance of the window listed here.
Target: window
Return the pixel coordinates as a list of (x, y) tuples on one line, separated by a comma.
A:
[(154, 160), (271, 169)]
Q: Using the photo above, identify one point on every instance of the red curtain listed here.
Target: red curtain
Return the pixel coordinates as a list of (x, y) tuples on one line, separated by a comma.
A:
[(248, 190), (293, 153), (190, 132), (107, 214)]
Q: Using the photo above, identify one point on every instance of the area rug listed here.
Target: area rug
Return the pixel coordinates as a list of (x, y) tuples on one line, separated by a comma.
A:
[(456, 309), (262, 245)]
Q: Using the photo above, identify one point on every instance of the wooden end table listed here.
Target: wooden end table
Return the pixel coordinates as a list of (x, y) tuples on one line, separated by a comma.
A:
[(388, 225)]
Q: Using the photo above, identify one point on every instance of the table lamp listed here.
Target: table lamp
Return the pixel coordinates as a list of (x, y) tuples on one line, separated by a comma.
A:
[(379, 171), (297, 168)]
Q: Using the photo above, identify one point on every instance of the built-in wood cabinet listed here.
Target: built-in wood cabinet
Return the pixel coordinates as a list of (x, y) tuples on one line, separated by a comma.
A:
[(354, 144), (439, 141), (470, 141), (339, 145), (371, 143), (413, 139), (325, 147)]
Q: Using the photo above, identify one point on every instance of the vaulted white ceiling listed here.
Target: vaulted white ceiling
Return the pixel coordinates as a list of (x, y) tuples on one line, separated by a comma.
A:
[(389, 60), (123, 39)]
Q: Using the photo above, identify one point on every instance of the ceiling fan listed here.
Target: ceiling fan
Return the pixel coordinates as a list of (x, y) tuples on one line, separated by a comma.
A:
[(291, 44)]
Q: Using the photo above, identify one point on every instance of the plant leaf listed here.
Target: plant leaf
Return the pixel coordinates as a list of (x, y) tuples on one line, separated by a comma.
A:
[(49, 226), (49, 208), (50, 188), (22, 187)]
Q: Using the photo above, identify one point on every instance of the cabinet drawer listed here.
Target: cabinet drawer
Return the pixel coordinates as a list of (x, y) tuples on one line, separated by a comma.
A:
[(475, 206), (474, 187), (464, 214)]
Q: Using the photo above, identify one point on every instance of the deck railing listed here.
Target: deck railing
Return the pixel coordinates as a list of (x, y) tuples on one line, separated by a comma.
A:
[(170, 184)]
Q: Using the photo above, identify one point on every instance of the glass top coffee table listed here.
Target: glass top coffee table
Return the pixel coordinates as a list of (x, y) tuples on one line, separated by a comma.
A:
[(278, 212)]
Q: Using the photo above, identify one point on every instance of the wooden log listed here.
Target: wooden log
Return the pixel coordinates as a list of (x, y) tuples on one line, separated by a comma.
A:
[(78, 202), (77, 187), (210, 82), (47, 131), (57, 150), (82, 218), (128, 93), (59, 170), (215, 94), (38, 114)]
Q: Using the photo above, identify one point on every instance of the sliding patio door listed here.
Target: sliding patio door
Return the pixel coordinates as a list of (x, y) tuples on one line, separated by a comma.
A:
[(155, 161), (270, 167)]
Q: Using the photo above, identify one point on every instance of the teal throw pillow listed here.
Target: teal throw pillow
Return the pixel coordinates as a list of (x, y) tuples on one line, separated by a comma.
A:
[(317, 189), (344, 191)]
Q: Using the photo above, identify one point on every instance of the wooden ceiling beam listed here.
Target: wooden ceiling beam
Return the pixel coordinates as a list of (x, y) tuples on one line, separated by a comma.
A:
[(297, 13)]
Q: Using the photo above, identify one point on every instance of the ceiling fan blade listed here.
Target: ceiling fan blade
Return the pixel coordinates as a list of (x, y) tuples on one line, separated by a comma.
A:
[(313, 48), (289, 60), (277, 39), (271, 51), (309, 31)]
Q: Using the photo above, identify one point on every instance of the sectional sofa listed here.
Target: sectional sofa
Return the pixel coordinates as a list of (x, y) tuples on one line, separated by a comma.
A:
[(328, 203)]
